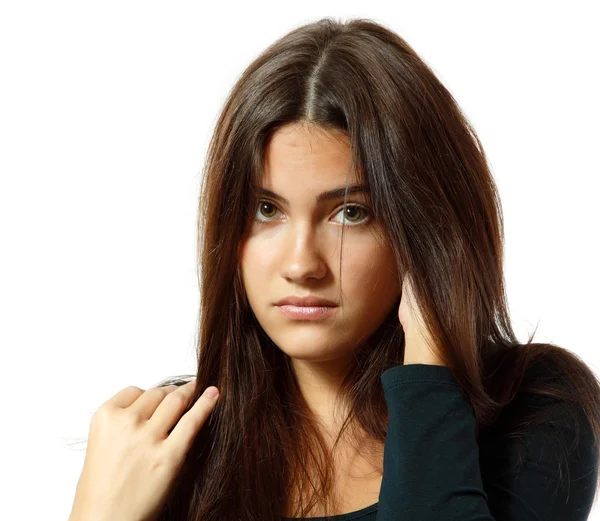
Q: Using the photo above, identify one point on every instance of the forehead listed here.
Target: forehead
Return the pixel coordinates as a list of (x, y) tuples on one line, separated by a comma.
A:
[(313, 157)]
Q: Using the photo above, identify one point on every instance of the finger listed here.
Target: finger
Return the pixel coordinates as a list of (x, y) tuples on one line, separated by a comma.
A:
[(147, 403), (170, 409), (182, 437), (125, 397)]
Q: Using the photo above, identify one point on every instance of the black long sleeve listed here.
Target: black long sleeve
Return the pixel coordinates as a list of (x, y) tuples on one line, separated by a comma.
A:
[(435, 470), (432, 460)]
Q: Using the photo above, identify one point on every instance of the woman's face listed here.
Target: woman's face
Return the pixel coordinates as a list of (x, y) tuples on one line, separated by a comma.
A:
[(295, 249)]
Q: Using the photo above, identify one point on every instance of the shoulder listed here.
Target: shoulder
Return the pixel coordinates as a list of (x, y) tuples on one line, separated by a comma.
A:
[(174, 380), (543, 429), (544, 460)]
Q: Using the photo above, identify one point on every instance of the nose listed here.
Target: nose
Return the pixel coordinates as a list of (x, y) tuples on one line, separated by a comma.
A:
[(304, 255)]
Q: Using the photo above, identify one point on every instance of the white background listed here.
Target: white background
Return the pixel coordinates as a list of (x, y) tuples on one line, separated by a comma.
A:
[(106, 109)]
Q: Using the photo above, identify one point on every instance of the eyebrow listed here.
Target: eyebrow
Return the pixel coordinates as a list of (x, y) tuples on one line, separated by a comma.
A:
[(336, 193)]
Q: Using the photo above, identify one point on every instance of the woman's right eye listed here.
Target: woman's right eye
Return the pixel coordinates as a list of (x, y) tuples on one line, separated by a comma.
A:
[(261, 206)]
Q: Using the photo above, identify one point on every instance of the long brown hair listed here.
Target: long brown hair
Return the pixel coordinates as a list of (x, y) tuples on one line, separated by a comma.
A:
[(430, 184)]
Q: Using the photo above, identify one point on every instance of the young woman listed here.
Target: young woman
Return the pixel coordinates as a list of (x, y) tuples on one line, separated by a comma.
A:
[(353, 320)]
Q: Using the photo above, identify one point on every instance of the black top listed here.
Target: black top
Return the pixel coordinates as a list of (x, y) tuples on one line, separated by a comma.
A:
[(434, 469)]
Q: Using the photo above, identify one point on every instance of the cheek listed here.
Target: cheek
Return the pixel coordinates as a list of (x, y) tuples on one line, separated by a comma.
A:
[(256, 260), (371, 279), (256, 266), (368, 264)]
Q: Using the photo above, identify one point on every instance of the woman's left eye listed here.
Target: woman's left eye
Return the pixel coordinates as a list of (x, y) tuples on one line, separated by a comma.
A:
[(351, 209), (355, 209)]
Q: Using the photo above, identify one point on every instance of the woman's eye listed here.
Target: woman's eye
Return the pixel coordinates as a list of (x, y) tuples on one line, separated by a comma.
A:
[(354, 213), (265, 204)]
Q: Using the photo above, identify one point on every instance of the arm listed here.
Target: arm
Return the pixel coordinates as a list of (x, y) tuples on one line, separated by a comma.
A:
[(432, 467)]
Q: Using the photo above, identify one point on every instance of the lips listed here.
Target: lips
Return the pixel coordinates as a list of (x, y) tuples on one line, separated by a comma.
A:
[(308, 301), (304, 313)]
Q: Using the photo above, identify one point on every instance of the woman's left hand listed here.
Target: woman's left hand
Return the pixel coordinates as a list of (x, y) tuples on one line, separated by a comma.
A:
[(417, 348)]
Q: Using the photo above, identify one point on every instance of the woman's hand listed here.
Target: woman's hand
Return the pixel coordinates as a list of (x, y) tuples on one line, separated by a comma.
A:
[(131, 459), (418, 340)]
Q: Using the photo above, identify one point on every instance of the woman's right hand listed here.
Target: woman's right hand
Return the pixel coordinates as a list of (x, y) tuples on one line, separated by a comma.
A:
[(131, 459)]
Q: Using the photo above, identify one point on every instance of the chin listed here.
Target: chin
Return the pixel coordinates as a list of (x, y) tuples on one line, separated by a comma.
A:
[(312, 349)]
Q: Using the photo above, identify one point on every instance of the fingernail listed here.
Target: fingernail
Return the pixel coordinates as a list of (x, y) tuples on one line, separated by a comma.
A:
[(212, 392)]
